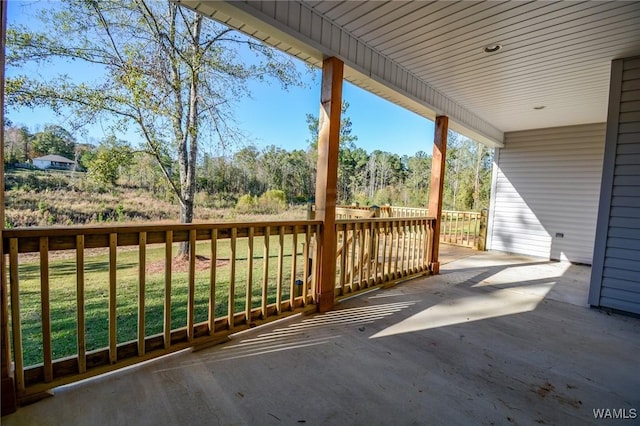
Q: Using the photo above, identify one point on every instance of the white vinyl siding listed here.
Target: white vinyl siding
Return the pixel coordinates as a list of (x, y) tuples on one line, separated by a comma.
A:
[(547, 182), (615, 279)]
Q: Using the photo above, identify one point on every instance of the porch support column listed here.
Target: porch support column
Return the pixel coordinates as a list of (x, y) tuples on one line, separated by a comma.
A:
[(437, 185), (8, 386), (327, 179)]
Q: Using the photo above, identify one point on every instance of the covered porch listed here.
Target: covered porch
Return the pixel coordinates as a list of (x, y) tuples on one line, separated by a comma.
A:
[(476, 344), (493, 338)]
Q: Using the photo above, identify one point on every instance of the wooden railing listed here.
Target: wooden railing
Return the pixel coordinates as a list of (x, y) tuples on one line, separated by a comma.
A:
[(375, 251), (355, 212), (88, 300), (466, 229), (395, 211), (88, 281)]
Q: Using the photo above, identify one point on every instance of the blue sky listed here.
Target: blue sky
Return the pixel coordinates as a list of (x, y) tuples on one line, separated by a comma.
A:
[(275, 116)]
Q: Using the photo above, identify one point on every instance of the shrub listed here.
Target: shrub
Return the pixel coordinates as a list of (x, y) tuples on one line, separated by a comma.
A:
[(246, 204), (272, 202)]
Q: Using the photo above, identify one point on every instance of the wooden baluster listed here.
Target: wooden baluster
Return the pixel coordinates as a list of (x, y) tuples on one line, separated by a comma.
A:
[(212, 281), (294, 267), (343, 259), (408, 240), (422, 253), (45, 305), (410, 244), (142, 274), (370, 254), (265, 274), (428, 254), (385, 267), (113, 318), (280, 269), (247, 313), (463, 219), (376, 253), (405, 243), (16, 327), (396, 225), (445, 224), (418, 246), (454, 227), (463, 232), (305, 255), (316, 255), (168, 258), (352, 260), (476, 220), (232, 279), (192, 285), (361, 256), (82, 341)]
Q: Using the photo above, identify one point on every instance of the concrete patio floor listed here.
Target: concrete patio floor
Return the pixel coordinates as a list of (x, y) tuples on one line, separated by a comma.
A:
[(495, 339)]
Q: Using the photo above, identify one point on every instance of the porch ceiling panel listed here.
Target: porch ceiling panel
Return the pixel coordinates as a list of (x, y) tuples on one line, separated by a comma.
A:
[(429, 56)]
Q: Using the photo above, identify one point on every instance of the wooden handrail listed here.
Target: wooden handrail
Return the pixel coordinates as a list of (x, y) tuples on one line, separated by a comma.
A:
[(127, 235)]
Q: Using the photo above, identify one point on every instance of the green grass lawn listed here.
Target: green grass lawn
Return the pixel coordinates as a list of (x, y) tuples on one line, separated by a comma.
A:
[(63, 293)]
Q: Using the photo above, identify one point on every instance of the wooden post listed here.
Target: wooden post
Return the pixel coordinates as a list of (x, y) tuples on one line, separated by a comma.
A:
[(481, 244), (8, 385), (437, 185), (327, 179)]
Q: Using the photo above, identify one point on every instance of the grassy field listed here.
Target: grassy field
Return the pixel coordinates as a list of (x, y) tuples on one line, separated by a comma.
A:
[(63, 293), (51, 198)]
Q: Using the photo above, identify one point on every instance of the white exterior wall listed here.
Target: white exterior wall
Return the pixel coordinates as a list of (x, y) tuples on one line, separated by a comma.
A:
[(546, 182), (41, 164)]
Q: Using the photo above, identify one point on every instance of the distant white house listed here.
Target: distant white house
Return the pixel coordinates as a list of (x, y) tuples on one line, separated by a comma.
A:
[(53, 161)]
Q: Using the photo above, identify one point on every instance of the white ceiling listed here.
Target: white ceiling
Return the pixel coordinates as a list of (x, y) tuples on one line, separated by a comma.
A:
[(554, 54)]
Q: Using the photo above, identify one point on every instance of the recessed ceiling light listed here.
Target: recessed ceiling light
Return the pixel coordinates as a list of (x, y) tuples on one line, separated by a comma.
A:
[(493, 48), (539, 107)]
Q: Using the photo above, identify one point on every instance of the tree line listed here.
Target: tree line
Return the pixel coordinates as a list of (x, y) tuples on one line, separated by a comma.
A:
[(367, 178)]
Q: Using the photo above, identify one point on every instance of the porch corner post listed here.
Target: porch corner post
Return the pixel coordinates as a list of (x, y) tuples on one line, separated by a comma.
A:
[(436, 190), (327, 179), (8, 386)]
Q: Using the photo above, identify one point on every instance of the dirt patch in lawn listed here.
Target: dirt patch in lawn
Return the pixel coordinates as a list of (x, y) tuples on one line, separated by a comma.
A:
[(181, 264)]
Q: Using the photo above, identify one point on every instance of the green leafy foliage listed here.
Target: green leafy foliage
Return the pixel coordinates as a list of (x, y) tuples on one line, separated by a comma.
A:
[(54, 140), (272, 201), (110, 160)]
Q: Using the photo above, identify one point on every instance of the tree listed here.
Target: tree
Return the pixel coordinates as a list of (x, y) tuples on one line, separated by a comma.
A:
[(247, 160), (167, 71), (16, 144), (347, 143), (112, 158), (418, 178), (54, 140)]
